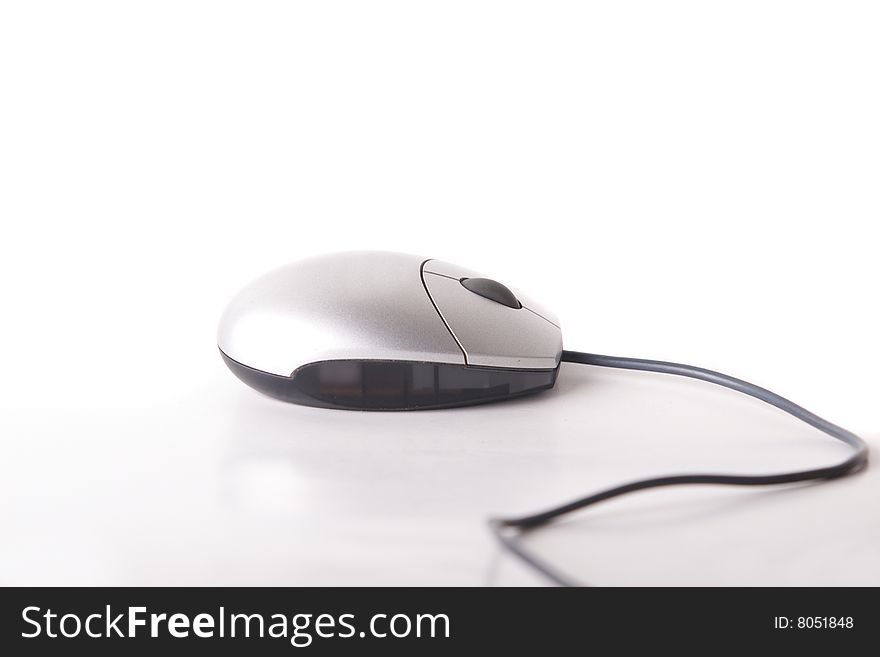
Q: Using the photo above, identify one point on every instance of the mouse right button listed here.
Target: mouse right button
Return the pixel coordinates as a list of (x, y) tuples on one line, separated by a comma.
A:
[(492, 333)]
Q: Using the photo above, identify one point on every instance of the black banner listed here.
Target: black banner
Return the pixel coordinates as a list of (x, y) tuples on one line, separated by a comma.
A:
[(113, 621)]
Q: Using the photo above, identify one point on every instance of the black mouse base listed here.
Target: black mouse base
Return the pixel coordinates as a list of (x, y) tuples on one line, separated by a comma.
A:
[(378, 385)]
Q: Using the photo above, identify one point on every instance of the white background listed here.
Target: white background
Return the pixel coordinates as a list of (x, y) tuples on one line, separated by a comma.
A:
[(681, 180)]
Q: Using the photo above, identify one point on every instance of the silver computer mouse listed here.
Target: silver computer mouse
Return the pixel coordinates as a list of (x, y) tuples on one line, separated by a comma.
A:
[(387, 331)]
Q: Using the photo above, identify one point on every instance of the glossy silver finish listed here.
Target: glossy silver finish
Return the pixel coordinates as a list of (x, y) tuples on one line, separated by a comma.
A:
[(356, 305), (491, 334), (380, 306)]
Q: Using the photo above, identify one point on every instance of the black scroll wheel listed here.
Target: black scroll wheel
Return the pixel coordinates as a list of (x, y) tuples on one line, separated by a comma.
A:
[(492, 290)]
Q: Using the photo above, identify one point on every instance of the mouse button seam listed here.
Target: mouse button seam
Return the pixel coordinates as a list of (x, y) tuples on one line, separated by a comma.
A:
[(428, 269), (451, 278), (422, 273)]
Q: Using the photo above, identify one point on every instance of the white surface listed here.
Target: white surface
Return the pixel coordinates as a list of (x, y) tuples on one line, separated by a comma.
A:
[(674, 180)]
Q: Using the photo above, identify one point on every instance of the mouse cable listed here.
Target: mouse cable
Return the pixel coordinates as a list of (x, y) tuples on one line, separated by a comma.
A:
[(501, 527)]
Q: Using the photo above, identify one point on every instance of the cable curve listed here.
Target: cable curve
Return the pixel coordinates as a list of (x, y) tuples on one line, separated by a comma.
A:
[(857, 460)]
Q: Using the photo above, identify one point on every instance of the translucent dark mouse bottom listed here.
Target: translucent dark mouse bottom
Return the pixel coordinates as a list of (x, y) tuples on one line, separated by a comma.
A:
[(374, 385)]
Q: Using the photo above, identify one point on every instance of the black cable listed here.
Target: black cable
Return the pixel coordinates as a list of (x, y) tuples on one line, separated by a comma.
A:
[(856, 462)]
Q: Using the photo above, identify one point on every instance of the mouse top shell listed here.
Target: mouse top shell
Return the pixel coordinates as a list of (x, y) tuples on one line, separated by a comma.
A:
[(381, 306), (387, 307)]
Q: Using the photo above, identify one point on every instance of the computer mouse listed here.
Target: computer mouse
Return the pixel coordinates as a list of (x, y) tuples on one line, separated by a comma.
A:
[(387, 331)]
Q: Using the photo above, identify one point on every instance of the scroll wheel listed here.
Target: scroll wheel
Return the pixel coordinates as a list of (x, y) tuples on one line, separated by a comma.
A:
[(492, 290)]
